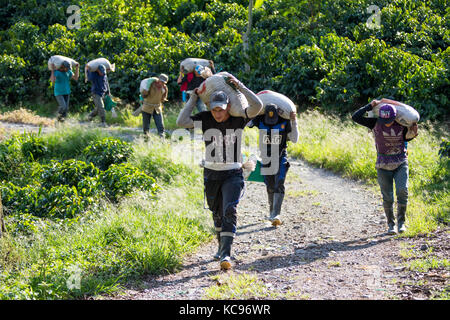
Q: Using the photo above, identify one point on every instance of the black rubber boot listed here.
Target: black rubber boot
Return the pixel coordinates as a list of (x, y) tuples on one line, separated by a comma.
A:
[(270, 196), (389, 211), (276, 211), (401, 216), (225, 252), (217, 255)]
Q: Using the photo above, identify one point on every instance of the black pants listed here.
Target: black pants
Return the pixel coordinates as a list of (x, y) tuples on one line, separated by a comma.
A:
[(223, 191)]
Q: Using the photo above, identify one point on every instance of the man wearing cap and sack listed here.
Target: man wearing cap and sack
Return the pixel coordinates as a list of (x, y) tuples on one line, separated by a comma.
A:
[(223, 174), (152, 104), (100, 87), (392, 158), (61, 80), (274, 132)]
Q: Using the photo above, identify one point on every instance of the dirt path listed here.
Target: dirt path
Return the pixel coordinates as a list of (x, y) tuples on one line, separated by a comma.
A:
[(332, 245)]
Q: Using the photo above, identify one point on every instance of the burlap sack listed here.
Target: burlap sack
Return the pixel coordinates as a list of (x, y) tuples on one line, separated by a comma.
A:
[(406, 115), (217, 83), (285, 104), (58, 60), (189, 64)]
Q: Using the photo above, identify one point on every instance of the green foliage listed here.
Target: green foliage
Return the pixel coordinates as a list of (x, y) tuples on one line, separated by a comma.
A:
[(12, 162), (121, 179), (69, 172), (34, 147), (107, 152), (444, 149), (198, 22), (406, 57), (12, 69), (61, 201)]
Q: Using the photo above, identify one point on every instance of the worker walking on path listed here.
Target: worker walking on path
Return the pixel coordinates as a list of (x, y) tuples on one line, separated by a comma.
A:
[(223, 174), (152, 105), (274, 132), (100, 86), (392, 158), (61, 80)]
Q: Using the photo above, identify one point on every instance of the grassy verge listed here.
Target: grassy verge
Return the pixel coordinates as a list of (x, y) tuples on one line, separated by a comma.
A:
[(112, 243), (348, 149), (246, 286)]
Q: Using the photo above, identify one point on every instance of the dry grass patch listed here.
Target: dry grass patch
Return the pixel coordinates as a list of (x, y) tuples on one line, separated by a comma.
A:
[(25, 116)]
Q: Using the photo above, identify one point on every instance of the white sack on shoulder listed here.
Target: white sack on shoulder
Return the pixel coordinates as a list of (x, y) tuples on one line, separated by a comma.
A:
[(406, 115), (285, 104), (217, 83), (189, 64), (58, 60)]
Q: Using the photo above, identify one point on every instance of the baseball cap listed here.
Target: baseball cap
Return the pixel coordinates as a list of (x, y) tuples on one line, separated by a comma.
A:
[(102, 69), (387, 113), (271, 114), (163, 77), (219, 99), (66, 64)]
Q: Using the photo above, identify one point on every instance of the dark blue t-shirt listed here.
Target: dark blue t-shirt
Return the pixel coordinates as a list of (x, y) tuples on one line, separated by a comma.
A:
[(267, 137), (99, 83)]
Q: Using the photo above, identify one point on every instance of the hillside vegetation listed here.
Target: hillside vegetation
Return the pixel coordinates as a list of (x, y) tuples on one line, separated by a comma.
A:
[(335, 54)]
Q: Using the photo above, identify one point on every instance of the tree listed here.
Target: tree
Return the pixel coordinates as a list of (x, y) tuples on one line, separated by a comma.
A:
[(247, 34)]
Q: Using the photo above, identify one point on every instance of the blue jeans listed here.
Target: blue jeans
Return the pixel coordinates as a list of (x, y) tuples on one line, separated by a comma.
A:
[(63, 102), (386, 180), (158, 117), (275, 183)]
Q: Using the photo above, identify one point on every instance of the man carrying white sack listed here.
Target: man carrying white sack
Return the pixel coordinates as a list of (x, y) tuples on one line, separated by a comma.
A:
[(153, 104), (100, 86), (274, 132), (223, 174), (61, 80), (392, 158)]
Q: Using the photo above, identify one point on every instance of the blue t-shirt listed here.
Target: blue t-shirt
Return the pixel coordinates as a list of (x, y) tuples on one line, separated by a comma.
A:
[(99, 83), (62, 82)]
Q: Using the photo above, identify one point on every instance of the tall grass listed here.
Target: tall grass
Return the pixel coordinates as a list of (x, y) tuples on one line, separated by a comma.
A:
[(349, 149), (113, 244)]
